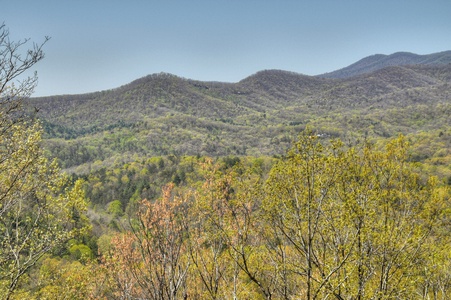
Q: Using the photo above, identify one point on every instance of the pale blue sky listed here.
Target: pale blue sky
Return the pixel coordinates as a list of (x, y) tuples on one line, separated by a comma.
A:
[(97, 45)]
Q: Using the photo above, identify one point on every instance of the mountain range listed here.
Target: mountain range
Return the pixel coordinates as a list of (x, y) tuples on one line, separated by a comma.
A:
[(161, 114), (380, 61)]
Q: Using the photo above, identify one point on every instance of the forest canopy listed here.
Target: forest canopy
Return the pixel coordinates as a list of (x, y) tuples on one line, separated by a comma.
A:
[(326, 221), (360, 217)]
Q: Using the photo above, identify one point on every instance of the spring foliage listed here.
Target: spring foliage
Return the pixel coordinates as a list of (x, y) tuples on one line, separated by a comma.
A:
[(327, 222), (37, 212)]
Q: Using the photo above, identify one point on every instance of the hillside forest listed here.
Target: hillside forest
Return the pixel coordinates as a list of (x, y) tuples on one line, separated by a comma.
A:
[(280, 186)]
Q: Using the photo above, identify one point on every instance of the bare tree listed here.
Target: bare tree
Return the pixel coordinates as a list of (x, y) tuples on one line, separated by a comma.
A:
[(35, 214)]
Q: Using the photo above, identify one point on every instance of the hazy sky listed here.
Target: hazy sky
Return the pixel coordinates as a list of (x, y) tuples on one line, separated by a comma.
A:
[(97, 45)]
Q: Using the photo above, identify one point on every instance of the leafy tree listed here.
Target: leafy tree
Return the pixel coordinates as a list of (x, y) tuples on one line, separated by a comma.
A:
[(229, 256), (215, 244), (36, 212), (207, 244), (328, 222), (352, 223), (300, 219), (115, 208), (64, 279), (150, 262)]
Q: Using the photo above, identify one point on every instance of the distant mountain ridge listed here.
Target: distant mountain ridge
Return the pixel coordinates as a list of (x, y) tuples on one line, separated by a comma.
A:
[(379, 61), (164, 114)]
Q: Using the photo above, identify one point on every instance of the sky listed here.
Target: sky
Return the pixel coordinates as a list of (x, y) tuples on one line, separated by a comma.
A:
[(102, 44)]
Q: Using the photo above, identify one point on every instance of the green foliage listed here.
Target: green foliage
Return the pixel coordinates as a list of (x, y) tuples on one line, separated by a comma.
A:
[(37, 215), (136, 180), (80, 252), (325, 220), (115, 208), (38, 211), (162, 115), (65, 279), (356, 220), (329, 221)]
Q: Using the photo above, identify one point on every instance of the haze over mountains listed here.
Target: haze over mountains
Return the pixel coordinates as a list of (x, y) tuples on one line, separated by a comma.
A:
[(379, 61), (160, 114)]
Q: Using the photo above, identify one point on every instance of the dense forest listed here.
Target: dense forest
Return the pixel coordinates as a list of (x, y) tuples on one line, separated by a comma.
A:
[(280, 186), (261, 115)]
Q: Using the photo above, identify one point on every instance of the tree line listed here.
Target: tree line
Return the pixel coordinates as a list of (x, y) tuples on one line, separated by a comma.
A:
[(326, 221)]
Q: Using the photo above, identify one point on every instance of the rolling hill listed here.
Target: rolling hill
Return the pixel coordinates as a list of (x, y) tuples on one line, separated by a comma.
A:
[(164, 114)]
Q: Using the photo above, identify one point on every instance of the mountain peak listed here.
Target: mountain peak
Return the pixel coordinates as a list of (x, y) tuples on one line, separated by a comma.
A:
[(379, 61)]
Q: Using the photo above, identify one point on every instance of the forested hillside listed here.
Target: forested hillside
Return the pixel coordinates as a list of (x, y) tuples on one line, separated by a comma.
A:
[(380, 61), (164, 114), (280, 186)]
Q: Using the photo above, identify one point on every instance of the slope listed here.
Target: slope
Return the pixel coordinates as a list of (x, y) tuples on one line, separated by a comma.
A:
[(164, 114), (380, 61)]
